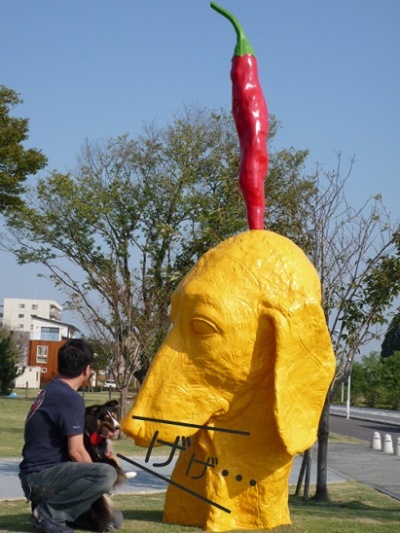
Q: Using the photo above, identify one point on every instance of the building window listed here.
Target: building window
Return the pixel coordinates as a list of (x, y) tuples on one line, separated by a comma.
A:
[(41, 354), (21, 316), (34, 306), (49, 334), (20, 326), (21, 306)]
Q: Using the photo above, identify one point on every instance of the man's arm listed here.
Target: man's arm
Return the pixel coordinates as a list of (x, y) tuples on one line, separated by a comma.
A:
[(77, 450)]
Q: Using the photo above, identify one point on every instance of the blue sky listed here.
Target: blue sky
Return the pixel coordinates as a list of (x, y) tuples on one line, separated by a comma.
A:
[(100, 68)]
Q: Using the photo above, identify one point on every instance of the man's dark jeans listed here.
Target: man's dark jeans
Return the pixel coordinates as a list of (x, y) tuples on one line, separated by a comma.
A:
[(65, 491)]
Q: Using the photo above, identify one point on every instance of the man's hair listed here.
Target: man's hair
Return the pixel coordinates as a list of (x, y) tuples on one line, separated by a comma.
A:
[(73, 357)]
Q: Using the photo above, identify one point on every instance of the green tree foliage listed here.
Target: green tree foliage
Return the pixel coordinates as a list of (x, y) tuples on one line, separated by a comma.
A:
[(391, 341), (134, 217), (376, 381), (16, 162), (391, 379), (290, 198), (372, 382), (8, 364), (358, 384)]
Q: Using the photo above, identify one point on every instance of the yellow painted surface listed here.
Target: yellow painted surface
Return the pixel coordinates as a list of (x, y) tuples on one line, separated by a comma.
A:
[(249, 351)]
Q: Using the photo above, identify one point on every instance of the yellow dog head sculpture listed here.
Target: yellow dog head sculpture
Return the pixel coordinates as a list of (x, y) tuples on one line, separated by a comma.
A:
[(249, 356)]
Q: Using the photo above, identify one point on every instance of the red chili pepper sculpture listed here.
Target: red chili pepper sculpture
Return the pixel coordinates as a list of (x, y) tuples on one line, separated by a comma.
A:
[(251, 118)]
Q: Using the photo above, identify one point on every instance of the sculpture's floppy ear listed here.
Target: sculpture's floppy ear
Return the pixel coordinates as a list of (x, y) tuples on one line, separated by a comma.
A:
[(304, 369)]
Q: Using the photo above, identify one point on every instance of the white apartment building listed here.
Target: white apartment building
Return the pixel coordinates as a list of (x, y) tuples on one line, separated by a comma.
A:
[(45, 329), (19, 313)]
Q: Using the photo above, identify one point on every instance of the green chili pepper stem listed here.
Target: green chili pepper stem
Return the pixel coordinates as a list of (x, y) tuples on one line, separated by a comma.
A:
[(243, 45)]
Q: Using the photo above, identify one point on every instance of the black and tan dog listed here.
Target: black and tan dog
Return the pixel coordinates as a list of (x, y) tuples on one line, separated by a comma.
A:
[(101, 427)]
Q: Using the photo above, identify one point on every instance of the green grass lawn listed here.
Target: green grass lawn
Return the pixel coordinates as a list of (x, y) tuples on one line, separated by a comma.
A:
[(353, 508), (14, 411)]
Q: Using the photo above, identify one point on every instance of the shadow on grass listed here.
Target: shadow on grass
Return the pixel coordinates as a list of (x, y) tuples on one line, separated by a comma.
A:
[(143, 515), (19, 523), (348, 509)]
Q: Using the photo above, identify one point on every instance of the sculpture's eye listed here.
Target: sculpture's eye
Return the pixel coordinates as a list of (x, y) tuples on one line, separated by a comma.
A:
[(203, 327)]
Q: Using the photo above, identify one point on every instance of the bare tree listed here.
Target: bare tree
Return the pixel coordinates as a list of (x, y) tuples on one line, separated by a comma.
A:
[(356, 252)]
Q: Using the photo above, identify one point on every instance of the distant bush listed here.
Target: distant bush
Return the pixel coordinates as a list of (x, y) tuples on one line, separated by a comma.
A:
[(375, 382)]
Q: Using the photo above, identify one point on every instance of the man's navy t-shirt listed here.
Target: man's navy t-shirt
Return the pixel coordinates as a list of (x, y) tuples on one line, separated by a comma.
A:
[(58, 412)]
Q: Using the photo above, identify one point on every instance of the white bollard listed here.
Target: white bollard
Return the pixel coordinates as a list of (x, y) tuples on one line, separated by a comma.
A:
[(398, 447), (387, 444), (376, 442)]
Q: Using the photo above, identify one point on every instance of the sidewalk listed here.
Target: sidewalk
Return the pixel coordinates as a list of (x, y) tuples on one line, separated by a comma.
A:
[(361, 463), (10, 488), (144, 482), (345, 461)]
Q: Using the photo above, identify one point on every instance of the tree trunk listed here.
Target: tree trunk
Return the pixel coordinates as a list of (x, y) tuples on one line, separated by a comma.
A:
[(321, 494), (305, 470), (123, 400)]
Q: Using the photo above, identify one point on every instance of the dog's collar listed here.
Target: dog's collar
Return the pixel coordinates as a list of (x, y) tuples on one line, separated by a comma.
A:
[(95, 438)]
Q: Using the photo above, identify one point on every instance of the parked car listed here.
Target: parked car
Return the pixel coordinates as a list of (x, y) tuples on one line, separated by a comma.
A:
[(110, 384)]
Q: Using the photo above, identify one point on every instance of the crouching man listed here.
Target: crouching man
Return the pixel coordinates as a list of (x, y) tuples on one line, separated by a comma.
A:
[(57, 474)]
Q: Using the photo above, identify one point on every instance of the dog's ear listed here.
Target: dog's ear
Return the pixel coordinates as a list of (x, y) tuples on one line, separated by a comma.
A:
[(92, 410), (304, 369), (114, 407)]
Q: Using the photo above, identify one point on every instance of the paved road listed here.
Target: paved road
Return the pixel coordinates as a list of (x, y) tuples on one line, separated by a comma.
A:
[(368, 413), (361, 429)]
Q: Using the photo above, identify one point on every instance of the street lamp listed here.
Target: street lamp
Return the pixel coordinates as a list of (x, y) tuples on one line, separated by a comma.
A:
[(348, 391)]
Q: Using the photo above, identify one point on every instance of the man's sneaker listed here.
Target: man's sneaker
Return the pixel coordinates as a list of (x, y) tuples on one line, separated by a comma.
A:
[(41, 523)]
